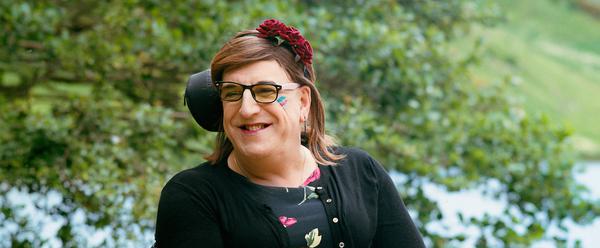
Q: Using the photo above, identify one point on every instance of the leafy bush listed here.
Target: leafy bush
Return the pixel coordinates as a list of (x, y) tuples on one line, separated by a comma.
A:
[(92, 110)]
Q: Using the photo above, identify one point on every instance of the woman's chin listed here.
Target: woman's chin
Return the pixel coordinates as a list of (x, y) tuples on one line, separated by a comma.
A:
[(255, 150)]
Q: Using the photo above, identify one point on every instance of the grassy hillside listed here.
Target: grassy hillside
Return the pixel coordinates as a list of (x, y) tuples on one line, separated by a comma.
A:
[(555, 51)]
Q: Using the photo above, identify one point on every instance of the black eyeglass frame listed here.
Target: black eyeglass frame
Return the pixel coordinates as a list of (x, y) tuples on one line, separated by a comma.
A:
[(278, 88)]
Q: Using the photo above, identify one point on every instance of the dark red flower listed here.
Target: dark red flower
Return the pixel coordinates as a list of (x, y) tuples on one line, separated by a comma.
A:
[(270, 28), (273, 28)]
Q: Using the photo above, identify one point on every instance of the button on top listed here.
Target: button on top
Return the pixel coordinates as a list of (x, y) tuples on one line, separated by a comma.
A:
[(335, 220), (328, 200), (341, 244)]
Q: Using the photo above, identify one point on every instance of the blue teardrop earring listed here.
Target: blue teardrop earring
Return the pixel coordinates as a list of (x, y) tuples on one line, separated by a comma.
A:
[(305, 124), (304, 133)]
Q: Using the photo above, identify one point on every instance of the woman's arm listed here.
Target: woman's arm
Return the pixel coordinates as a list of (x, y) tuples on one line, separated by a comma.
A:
[(185, 219), (395, 228)]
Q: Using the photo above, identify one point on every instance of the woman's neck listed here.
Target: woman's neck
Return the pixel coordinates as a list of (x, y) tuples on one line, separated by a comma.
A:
[(287, 169)]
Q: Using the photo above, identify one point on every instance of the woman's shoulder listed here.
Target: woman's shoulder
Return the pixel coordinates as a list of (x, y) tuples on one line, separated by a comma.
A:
[(205, 173), (352, 154), (357, 166), (360, 160)]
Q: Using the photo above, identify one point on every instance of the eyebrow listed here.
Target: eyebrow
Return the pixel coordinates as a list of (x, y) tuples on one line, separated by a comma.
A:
[(284, 85), (265, 82), (229, 86)]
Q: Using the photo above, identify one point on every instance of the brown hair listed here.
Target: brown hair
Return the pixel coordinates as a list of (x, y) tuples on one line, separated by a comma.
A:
[(246, 48)]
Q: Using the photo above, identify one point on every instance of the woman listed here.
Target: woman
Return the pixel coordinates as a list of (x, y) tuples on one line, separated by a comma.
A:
[(275, 178)]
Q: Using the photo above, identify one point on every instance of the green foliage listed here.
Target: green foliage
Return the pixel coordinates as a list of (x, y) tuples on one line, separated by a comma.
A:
[(555, 52), (109, 158), (91, 110)]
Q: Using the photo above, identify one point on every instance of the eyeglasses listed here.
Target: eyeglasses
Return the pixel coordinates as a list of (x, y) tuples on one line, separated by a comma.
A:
[(262, 92)]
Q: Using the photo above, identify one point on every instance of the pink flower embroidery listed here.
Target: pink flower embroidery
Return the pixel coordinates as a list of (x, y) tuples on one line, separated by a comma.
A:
[(287, 222), (313, 177)]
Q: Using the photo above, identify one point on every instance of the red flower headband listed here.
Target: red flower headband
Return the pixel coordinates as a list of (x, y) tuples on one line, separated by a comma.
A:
[(274, 29)]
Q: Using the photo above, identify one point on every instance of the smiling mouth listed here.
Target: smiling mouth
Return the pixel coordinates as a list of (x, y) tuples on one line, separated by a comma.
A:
[(254, 127)]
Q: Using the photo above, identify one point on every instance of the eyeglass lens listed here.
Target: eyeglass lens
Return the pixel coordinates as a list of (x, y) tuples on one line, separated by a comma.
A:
[(263, 93)]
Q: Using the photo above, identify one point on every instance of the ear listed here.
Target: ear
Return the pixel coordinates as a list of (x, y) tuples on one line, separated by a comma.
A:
[(305, 98)]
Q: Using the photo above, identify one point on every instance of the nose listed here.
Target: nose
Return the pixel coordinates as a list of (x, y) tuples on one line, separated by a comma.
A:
[(248, 106)]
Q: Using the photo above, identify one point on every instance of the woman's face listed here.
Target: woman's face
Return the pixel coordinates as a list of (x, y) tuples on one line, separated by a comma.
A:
[(261, 129)]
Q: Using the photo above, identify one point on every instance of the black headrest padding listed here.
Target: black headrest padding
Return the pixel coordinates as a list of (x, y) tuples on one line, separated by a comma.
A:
[(203, 101)]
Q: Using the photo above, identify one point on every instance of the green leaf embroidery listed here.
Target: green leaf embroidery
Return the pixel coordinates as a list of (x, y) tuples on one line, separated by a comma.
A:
[(312, 194), (313, 239)]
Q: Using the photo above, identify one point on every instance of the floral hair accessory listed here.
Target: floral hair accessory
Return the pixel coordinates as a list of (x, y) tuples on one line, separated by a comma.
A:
[(280, 33)]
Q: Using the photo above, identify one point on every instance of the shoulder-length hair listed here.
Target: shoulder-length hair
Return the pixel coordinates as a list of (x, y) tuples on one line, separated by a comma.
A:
[(245, 48)]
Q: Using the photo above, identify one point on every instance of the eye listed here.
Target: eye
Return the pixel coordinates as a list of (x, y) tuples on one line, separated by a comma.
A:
[(265, 89), (230, 91)]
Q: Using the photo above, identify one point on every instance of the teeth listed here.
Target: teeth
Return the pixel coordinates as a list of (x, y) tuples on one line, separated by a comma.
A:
[(255, 127)]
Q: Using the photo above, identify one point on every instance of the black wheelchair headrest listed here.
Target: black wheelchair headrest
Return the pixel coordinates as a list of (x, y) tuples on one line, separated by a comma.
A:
[(203, 101)]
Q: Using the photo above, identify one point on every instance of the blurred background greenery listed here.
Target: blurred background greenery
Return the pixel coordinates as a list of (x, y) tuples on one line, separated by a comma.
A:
[(460, 94)]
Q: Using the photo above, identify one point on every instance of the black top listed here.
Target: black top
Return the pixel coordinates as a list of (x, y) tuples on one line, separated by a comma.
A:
[(300, 211), (212, 206)]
